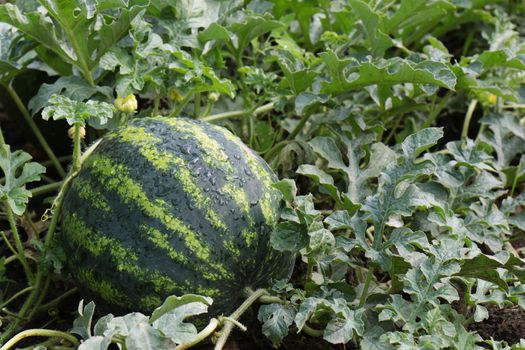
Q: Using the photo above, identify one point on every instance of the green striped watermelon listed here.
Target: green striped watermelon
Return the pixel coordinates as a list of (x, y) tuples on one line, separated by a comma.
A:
[(168, 207)]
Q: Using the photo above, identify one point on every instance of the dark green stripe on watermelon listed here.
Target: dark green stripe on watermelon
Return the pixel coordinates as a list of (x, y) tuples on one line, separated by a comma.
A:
[(236, 175), (182, 278), (117, 224), (189, 200)]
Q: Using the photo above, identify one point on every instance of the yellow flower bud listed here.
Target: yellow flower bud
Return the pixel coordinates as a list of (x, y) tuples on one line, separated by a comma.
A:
[(492, 99), (174, 95), (71, 132), (126, 104), (213, 97)]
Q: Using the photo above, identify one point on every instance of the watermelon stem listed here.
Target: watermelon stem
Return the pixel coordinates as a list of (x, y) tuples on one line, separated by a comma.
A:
[(269, 299), (37, 191), (235, 322), (42, 278), (207, 109), (156, 104), (40, 333), (76, 149), (220, 116), (181, 106), (364, 294), (34, 128), (253, 296), (312, 331), (309, 269), (19, 252), (197, 105), (205, 333), (57, 301)]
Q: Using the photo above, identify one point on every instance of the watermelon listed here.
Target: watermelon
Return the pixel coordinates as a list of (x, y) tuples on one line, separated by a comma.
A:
[(170, 206)]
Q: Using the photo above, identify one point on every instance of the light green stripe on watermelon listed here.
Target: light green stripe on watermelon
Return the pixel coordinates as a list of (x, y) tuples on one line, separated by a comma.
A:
[(161, 241), (115, 177), (103, 288), (85, 190), (158, 238), (214, 156), (239, 197), (146, 142), (266, 202), (232, 248), (249, 236), (124, 258), (97, 244)]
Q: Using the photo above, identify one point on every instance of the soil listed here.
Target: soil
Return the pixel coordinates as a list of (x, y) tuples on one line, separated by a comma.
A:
[(503, 324)]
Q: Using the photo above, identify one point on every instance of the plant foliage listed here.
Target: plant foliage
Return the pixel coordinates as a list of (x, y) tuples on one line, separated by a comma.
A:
[(395, 127)]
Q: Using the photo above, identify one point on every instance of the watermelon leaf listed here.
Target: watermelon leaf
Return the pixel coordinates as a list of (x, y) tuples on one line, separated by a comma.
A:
[(349, 74), (15, 53), (164, 329), (277, 320), (95, 113), (341, 328), (173, 302), (71, 29), (82, 324), (288, 189), (72, 87), (95, 343), (289, 236), (145, 337), (18, 172)]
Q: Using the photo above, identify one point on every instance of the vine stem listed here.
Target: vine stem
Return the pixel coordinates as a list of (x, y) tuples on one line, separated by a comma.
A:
[(228, 326), (468, 118), (298, 127), (60, 197), (364, 294), (40, 287), (18, 243), (220, 116), (197, 105), (57, 300), (515, 181), (80, 62), (34, 128), (207, 110), (270, 155), (269, 299), (19, 293), (312, 332), (435, 112), (376, 244), (205, 333), (77, 150), (309, 270), (239, 325), (9, 245), (513, 106), (156, 104), (181, 106), (39, 333), (9, 259), (37, 191)]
